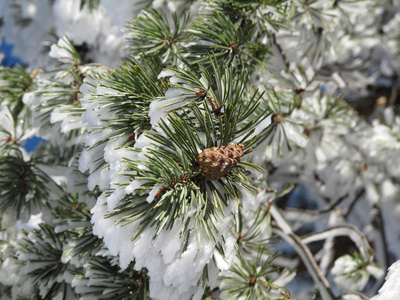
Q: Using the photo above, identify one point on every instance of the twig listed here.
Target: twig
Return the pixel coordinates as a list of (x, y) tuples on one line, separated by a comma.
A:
[(342, 230), (353, 203), (283, 228), (279, 47), (305, 254), (378, 222), (361, 295)]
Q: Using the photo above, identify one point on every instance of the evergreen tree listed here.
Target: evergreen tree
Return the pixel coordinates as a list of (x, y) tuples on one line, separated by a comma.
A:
[(173, 174)]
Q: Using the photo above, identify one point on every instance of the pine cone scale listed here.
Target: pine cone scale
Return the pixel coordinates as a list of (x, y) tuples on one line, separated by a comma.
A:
[(216, 162)]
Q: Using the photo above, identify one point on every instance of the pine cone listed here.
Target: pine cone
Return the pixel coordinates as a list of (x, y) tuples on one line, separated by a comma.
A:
[(216, 162)]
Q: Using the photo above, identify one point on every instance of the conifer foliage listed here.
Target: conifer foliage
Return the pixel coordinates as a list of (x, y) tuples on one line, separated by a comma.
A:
[(218, 159)]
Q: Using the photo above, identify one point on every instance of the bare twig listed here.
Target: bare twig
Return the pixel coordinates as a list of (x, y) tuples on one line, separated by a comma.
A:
[(283, 228), (279, 47)]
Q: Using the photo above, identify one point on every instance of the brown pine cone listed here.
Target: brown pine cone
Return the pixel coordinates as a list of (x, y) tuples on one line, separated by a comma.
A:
[(215, 162)]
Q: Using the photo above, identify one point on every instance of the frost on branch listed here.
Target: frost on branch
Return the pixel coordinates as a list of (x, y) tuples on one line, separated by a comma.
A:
[(352, 274), (243, 150), (158, 210)]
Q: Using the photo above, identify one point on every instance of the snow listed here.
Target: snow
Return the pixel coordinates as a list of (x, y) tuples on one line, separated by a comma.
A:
[(334, 151), (60, 51), (33, 223), (391, 287)]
